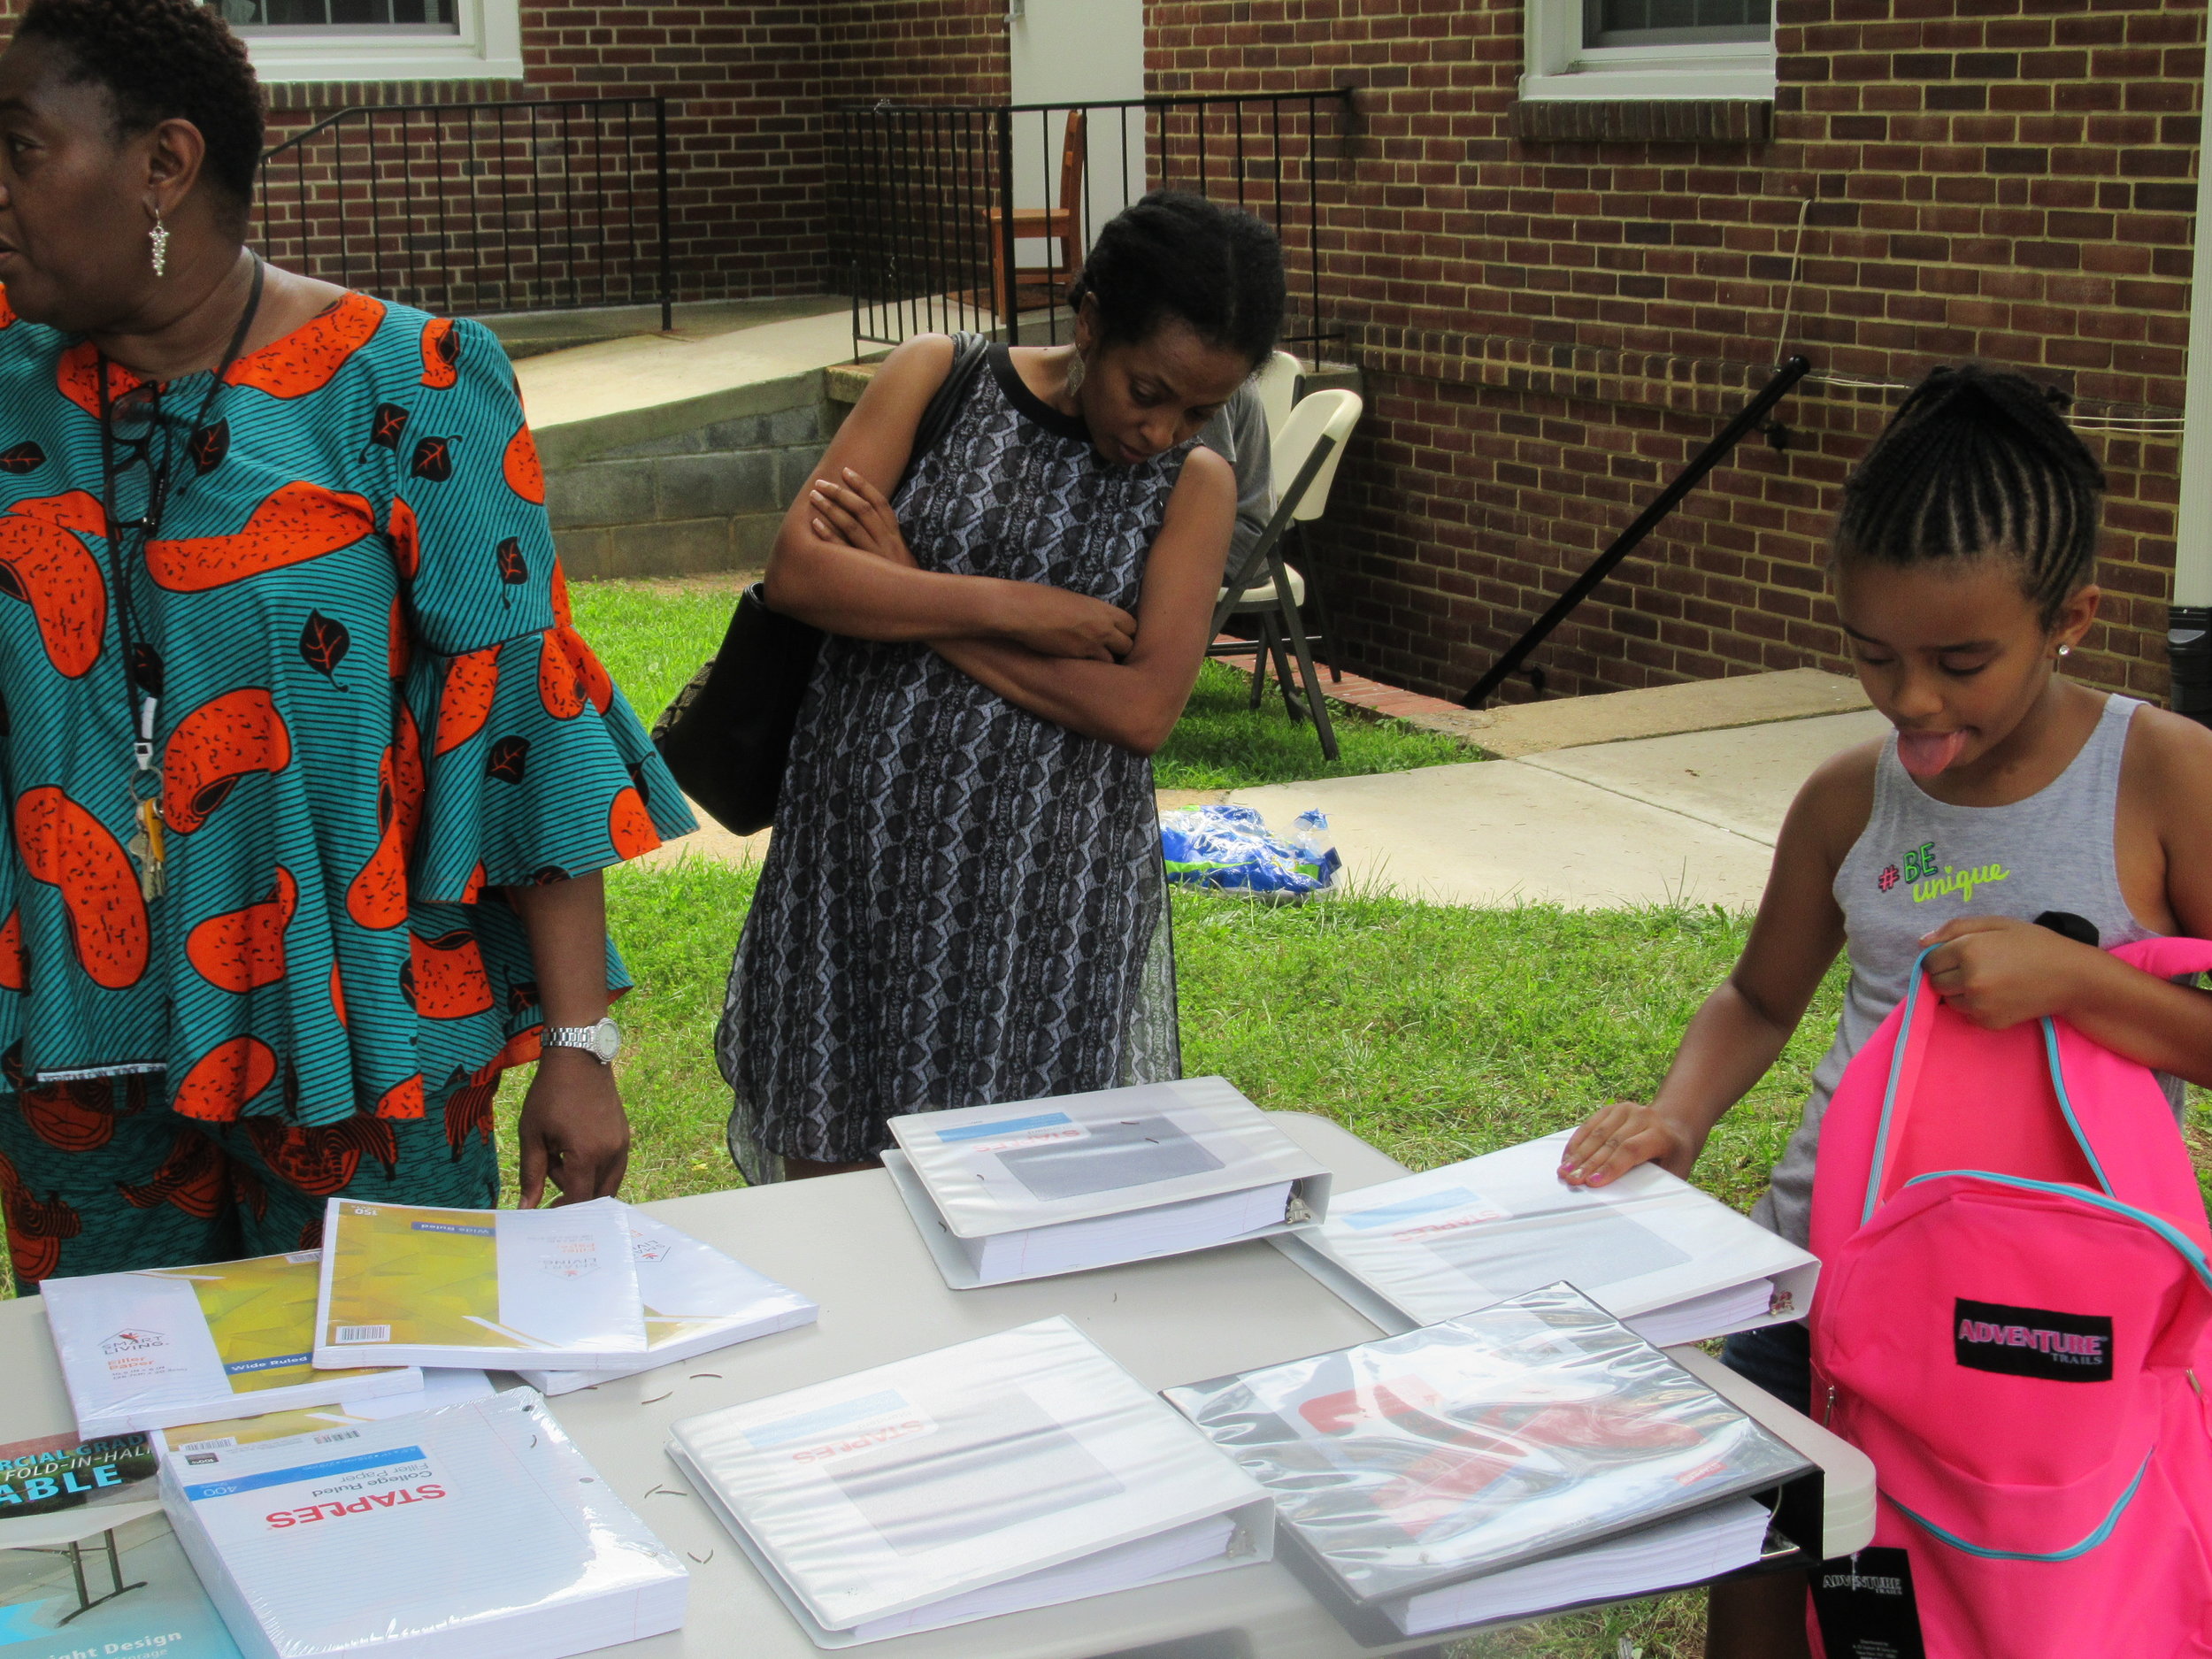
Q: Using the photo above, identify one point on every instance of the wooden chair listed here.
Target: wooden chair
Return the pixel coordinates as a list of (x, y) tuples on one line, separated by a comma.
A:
[(1042, 285)]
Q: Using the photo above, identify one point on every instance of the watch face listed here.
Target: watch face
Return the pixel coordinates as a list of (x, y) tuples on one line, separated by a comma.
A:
[(606, 1040)]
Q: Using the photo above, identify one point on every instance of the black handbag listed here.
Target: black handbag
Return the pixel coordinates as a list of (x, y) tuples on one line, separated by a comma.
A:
[(726, 737)]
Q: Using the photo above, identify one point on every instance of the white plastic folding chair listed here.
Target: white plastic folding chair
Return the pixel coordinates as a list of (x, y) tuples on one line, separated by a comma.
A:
[(1305, 453), (1277, 384)]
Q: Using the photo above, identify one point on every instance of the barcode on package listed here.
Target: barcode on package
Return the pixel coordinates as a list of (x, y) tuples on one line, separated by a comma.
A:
[(361, 1333), (341, 1434)]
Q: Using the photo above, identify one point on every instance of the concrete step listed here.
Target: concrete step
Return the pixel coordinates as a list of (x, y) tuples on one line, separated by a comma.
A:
[(673, 455)]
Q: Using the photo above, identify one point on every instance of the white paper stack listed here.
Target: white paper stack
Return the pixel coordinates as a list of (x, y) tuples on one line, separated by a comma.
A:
[(403, 1283), (474, 1531), (1410, 1466), (322, 1424), (153, 1350), (1018, 1471), (696, 1300), (1038, 1187), (1671, 1263)]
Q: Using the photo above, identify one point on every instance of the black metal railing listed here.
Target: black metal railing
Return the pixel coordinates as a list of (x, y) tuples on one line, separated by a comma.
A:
[(919, 193), (471, 208)]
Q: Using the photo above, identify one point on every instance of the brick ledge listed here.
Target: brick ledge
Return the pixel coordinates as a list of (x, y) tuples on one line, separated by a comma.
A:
[(1643, 121)]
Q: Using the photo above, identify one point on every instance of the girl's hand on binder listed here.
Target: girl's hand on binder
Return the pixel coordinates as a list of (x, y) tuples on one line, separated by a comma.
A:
[(1619, 1137)]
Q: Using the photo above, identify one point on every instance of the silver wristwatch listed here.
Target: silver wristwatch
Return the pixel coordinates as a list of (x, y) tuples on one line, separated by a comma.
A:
[(601, 1041)]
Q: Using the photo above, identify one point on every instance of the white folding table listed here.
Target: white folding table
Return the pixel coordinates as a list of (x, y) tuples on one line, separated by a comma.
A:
[(848, 1242)]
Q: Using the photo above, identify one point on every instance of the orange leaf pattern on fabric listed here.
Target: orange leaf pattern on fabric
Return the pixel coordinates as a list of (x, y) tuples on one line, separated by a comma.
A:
[(322, 825), (66, 846)]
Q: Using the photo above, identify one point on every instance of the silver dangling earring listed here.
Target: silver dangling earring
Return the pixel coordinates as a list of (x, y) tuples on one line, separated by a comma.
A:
[(1075, 374), (159, 237)]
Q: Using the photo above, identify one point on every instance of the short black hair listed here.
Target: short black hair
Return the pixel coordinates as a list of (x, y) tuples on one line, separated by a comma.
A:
[(1979, 461), (1175, 255), (164, 60)]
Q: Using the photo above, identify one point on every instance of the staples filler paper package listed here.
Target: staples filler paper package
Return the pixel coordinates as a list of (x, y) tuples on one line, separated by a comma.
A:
[(1671, 1263), (472, 1531), (151, 1349), (325, 1424), (696, 1300), (1519, 1432), (1020, 1469), (1038, 1187), (406, 1284)]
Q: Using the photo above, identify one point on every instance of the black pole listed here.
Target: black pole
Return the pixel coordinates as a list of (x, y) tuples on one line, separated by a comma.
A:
[(1012, 298), (668, 278), (1629, 539)]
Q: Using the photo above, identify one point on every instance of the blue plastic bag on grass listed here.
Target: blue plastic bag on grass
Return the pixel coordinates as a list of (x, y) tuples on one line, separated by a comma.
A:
[(1229, 847)]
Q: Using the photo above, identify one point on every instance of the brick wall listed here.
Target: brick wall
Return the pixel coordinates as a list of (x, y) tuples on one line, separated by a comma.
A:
[(1551, 328), (937, 51)]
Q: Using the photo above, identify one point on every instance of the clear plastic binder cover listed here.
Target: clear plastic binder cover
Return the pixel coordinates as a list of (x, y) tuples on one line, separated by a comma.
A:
[(464, 1517), (1035, 1163), (1443, 1242), (903, 1486), (148, 1349), (480, 1284), (696, 1298), (1494, 1438)]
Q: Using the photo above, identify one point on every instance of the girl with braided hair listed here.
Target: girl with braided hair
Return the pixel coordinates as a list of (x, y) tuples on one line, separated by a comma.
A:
[(1964, 576)]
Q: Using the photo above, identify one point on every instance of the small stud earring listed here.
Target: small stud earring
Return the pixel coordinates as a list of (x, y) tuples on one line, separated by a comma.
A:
[(2065, 650), (159, 237)]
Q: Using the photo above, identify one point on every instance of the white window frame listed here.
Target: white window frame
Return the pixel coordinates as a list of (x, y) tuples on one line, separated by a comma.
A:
[(1560, 67), (487, 46)]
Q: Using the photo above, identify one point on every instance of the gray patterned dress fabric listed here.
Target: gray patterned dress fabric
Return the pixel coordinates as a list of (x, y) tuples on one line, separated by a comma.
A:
[(962, 904)]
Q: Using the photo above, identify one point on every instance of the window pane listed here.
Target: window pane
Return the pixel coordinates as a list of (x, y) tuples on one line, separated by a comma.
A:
[(1675, 22), (412, 15)]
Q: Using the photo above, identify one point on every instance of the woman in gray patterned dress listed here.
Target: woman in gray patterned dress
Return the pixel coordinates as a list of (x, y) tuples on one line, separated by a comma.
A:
[(963, 900)]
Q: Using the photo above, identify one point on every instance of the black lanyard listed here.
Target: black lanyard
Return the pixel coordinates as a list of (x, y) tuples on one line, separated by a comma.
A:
[(123, 561)]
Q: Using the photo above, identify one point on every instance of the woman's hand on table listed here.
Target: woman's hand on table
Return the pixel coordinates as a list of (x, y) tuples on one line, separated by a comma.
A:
[(573, 1132)]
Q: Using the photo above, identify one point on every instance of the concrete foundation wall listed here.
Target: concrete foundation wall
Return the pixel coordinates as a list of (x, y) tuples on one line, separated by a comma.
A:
[(705, 499)]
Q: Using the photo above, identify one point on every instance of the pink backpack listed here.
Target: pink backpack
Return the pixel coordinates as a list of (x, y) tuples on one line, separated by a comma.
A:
[(2012, 1322)]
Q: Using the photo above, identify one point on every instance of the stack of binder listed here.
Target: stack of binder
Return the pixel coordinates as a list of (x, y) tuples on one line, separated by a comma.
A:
[(170, 1346), (474, 1531), (1039, 1187), (1018, 1471), (1671, 1263), (1413, 1473), (696, 1300)]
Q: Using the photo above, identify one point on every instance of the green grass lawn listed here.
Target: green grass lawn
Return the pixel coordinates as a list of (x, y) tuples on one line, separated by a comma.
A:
[(654, 635)]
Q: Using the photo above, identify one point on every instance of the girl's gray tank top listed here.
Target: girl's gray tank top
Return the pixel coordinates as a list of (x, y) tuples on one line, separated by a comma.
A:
[(1921, 862)]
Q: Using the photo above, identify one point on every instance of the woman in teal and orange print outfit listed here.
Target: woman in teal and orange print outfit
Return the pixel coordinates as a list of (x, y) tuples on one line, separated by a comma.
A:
[(309, 778)]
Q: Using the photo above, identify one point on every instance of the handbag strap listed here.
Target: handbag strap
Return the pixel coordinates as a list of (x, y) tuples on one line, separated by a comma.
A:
[(968, 354)]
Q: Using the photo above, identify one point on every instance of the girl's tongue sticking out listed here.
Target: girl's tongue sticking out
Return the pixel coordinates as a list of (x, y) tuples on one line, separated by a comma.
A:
[(1925, 754)]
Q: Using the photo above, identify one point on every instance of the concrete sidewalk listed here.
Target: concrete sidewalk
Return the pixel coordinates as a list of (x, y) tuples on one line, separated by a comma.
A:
[(1689, 816)]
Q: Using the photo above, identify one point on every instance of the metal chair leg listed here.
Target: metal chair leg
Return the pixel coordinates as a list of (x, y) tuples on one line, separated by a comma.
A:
[(1294, 626), (1259, 663), (1323, 629)]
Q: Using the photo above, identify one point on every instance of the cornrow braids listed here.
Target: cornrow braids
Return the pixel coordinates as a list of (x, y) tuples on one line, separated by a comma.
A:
[(164, 60), (1979, 461), (1175, 255)]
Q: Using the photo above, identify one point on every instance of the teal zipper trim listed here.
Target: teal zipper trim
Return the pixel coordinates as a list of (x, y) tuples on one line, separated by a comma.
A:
[(2183, 1244), (1889, 1089), (2104, 1532), (2066, 1103)]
